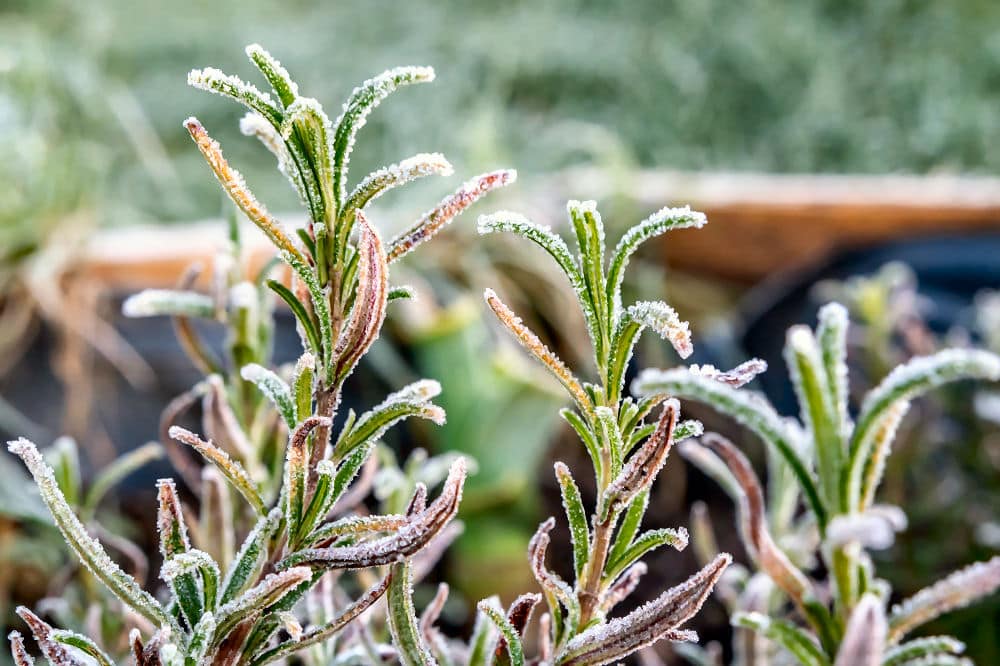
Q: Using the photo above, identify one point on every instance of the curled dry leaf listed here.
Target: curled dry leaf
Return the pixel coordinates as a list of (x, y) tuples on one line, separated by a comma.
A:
[(660, 618), (641, 469), (756, 535), (739, 376), (419, 530)]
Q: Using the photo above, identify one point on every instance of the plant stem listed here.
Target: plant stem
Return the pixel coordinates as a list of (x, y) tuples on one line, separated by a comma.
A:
[(590, 585)]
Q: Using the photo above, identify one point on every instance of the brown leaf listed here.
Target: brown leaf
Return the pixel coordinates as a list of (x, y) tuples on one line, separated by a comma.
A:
[(657, 619), (419, 530), (641, 469)]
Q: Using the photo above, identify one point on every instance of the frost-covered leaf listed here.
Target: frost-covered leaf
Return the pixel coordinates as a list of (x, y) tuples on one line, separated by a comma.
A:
[(321, 633), (537, 349), (212, 80), (53, 650), (626, 584), (234, 185), (381, 181), (230, 468), (557, 592), (419, 530), (311, 127), (817, 403), (657, 619), (431, 222), (797, 642), (368, 312), (920, 648), (576, 516), (87, 549), (250, 560), (874, 529), (402, 619), (658, 223), (18, 651), (644, 465), (362, 102), (297, 473), (749, 409), (413, 400), (544, 237), (169, 302), (274, 388), (956, 590), (648, 541), (739, 376), (266, 594), (753, 521), (510, 636), (864, 637), (906, 382), (665, 321)]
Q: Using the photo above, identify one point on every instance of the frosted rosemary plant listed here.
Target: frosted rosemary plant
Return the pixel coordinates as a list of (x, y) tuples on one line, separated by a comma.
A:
[(241, 606), (832, 465), (626, 451)]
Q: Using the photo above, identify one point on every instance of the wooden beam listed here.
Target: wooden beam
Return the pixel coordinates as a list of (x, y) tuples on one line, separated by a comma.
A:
[(758, 223)]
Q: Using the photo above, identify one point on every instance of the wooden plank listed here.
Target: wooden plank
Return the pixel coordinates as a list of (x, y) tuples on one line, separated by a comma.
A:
[(762, 223), (758, 223)]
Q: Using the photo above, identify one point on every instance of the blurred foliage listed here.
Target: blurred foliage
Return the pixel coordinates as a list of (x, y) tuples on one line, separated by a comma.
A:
[(814, 85)]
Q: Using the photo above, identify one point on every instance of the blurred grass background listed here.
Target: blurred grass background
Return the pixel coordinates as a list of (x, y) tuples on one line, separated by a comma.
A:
[(772, 85)]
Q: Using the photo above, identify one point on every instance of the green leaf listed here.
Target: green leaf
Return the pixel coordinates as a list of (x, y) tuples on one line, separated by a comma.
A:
[(629, 526), (586, 436), (311, 127), (212, 80), (816, 400), (650, 540), (250, 560), (302, 382), (362, 102), (414, 400), (87, 549), (906, 382), (301, 315), (513, 641), (274, 389), (84, 644), (658, 223), (919, 648), (402, 618), (231, 469), (589, 231), (749, 409), (168, 302), (544, 237), (576, 516), (379, 182), (286, 89), (479, 644), (832, 335), (796, 641)]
